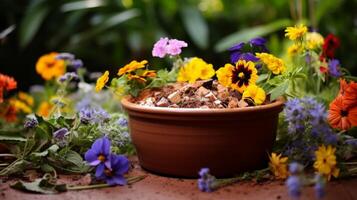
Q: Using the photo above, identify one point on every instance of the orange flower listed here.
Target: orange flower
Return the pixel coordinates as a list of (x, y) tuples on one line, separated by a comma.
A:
[(44, 109), (349, 93), (342, 116), (9, 113), (132, 66), (137, 78), (7, 83), (49, 67)]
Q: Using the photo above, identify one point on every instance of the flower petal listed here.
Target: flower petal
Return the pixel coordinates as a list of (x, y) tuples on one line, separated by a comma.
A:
[(116, 180), (99, 171), (91, 156)]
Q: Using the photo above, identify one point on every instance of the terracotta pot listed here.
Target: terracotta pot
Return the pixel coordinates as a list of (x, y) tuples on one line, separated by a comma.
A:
[(179, 141)]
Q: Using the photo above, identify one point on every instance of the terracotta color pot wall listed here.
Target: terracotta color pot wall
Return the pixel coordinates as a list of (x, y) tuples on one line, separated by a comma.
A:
[(178, 142)]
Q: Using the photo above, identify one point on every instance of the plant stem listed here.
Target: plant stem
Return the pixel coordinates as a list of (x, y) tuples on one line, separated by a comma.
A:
[(7, 155), (130, 180), (350, 163)]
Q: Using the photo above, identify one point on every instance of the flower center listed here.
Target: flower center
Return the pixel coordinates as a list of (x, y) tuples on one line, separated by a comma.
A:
[(344, 113), (241, 75), (108, 172), (101, 158)]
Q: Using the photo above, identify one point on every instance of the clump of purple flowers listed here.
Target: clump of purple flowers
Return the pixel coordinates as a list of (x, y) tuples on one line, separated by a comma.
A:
[(245, 51), (93, 115), (31, 122), (206, 182), (60, 136), (68, 77), (307, 128), (166, 46), (71, 60), (109, 167), (334, 68)]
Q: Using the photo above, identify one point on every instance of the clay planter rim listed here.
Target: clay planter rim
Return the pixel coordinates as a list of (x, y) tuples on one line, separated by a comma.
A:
[(184, 111)]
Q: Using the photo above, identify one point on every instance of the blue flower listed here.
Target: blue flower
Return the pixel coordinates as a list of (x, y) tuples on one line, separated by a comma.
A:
[(122, 122), (293, 184), (115, 174), (68, 77), (319, 186), (65, 56), (352, 142), (99, 155), (206, 181), (295, 168), (258, 41), (60, 133), (31, 122), (91, 115), (334, 68), (77, 63)]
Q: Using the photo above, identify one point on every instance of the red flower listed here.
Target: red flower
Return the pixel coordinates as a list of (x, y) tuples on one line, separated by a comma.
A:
[(7, 83), (323, 69), (349, 93), (331, 43), (340, 116)]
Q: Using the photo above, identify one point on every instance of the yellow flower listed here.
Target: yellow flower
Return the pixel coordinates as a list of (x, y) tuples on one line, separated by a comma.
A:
[(224, 75), (136, 78), (325, 162), (132, 66), (296, 32), (278, 165), (101, 81), (314, 40), (49, 67), (23, 96), (274, 64), (195, 69), (149, 73), (19, 105), (294, 49), (44, 109), (256, 93)]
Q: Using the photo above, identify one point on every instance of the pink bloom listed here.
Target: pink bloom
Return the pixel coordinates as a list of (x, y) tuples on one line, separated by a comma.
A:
[(160, 47), (174, 47)]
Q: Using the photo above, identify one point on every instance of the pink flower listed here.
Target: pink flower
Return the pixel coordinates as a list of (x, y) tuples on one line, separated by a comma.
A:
[(165, 46), (174, 47), (159, 49)]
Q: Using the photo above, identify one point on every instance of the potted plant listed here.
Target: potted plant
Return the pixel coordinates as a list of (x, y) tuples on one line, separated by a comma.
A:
[(193, 116)]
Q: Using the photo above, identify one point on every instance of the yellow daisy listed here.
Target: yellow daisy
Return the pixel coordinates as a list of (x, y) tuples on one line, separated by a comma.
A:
[(294, 49), (132, 66), (101, 81), (274, 64), (278, 165), (296, 32), (326, 161)]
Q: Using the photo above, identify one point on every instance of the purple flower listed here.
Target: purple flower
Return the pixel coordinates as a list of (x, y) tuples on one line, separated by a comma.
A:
[(237, 47), (206, 181), (115, 174), (101, 115), (334, 68), (295, 168), (31, 122), (91, 115), (77, 63), (249, 57), (165, 46), (293, 184), (319, 186), (68, 77), (122, 122), (99, 155), (352, 142), (258, 41), (174, 47), (65, 56), (60, 134)]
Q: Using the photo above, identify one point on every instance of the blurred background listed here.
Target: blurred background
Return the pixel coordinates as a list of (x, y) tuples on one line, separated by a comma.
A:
[(110, 33)]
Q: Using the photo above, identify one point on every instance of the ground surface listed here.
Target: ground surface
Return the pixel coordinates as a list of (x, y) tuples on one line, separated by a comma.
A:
[(155, 187)]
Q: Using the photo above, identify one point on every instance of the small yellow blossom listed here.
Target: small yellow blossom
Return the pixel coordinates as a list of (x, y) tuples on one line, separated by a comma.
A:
[(21, 106), (136, 78), (44, 109), (224, 75), (274, 64), (256, 93), (278, 165), (28, 99), (49, 67), (314, 40), (195, 69), (132, 66), (296, 32), (326, 162), (294, 49), (149, 73), (101, 81)]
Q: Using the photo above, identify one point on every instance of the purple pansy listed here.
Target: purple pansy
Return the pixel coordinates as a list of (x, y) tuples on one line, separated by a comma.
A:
[(115, 174), (99, 155), (334, 68), (258, 41)]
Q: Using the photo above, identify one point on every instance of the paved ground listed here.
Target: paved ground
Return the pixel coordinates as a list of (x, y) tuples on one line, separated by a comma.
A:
[(155, 187)]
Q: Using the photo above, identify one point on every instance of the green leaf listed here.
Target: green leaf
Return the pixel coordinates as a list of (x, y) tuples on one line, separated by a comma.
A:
[(74, 158), (195, 25), (81, 5), (279, 90), (15, 167), (12, 138), (41, 185), (34, 17), (110, 22), (54, 148), (262, 77), (249, 33)]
